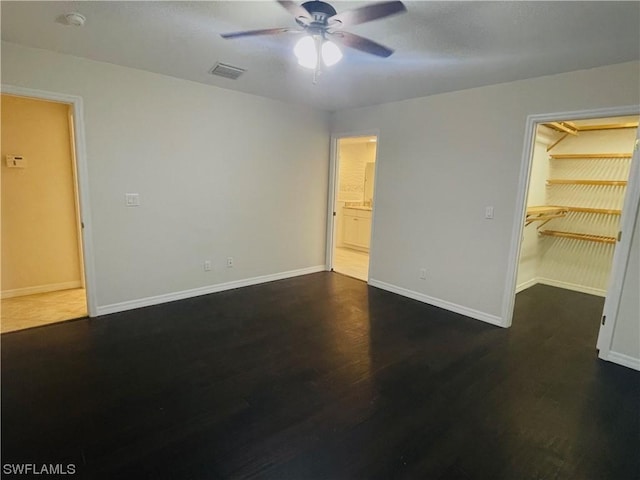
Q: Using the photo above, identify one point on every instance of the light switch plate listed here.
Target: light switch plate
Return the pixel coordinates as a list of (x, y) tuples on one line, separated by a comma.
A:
[(132, 199), (16, 161)]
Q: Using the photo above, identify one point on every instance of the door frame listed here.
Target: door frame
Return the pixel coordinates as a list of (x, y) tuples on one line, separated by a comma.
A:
[(333, 184), (82, 176), (622, 250)]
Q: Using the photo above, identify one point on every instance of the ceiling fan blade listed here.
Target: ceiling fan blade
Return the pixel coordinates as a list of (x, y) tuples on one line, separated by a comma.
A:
[(251, 33), (367, 13), (296, 10), (361, 43)]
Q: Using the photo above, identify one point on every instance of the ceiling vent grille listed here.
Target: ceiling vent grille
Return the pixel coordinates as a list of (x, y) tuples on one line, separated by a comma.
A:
[(226, 71)]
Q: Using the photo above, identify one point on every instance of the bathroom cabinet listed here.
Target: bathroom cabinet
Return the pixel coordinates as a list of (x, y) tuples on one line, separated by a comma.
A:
[(357, 227)]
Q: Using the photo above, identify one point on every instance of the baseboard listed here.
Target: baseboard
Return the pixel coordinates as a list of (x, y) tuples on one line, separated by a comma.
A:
[(624, 360), (527, 284), (195, 292), (436, 302), (573, 286), (51, 287)]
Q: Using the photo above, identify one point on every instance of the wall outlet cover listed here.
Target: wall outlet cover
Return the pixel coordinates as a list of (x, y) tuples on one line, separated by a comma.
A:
[(132, 199)]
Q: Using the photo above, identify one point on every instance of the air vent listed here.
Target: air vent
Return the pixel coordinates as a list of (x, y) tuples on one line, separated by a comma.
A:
[(226, 71)]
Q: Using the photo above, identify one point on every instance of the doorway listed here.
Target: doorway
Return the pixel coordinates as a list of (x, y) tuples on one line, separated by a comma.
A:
[(579, 188), (353, 203), (43, 274)]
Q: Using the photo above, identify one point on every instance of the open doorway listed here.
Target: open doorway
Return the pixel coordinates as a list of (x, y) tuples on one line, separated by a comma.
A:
[(353, 205), (577, 195), (43, 277)]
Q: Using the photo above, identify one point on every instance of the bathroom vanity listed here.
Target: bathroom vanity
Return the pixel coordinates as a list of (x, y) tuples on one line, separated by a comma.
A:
[(357, 227)]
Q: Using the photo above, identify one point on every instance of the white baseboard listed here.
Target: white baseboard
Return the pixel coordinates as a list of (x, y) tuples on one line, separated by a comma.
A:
[(624, 360), (573, 286), (527, 284), (51, 287), (195, 292), (452, 307)]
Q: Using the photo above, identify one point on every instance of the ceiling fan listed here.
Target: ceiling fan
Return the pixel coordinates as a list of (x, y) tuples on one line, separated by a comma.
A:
[(323, 25)]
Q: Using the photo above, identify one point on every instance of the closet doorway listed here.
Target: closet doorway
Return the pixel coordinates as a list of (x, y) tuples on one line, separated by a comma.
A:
[(353, 203), (576, 197), (43, 277)]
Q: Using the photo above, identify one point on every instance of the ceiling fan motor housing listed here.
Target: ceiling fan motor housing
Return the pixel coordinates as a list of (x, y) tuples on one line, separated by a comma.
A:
[(320, 21), (320, 13)]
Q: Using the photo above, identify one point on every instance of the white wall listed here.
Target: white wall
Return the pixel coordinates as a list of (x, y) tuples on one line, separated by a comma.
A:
[(626, 336), (224, 173), (220, 173), (442, 159), (536, 195)]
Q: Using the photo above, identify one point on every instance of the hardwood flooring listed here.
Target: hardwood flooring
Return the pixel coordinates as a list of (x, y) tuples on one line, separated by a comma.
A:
[(322, 377)]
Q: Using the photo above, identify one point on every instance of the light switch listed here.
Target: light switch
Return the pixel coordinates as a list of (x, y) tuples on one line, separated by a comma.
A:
[(16, 161), (488, 212), (132, 199)]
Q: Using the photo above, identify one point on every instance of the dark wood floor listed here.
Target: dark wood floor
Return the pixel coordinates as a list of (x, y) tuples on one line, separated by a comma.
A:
[(322, 377)]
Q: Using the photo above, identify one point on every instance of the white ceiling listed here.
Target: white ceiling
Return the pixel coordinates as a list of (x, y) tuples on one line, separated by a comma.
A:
[(440, 46)]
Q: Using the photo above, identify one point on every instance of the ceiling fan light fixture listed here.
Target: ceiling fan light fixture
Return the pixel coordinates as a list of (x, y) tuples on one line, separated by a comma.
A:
[(331, 54), (306, 52)]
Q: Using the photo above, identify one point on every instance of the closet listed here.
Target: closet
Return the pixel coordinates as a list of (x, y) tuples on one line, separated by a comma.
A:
[(578, 180)]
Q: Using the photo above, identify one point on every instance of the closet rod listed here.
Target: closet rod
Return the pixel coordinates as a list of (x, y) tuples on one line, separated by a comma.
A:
[(606, 211), (578, 236), (615, 183), (603, 156), (610, 126)]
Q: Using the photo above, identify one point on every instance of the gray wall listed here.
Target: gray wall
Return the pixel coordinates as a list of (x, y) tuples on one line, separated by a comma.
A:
[(219, 173), (443, 159)]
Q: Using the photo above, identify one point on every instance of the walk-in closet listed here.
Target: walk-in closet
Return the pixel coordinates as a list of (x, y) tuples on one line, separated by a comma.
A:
[(578, 179)]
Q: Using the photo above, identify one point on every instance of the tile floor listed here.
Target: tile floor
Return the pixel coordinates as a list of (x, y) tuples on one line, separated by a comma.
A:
[(18, 313), (353, 263)]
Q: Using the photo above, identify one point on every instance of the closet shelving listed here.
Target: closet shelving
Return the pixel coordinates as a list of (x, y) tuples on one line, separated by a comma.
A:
[(546, 213), (578, 236), (570, 128)]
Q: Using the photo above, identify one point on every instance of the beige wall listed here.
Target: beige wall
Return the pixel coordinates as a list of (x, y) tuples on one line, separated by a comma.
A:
[(39, 229)]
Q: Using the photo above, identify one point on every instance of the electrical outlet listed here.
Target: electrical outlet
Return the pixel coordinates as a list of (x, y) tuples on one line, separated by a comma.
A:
[(488, 213), (423, 274), (207, 265), (229, 262)]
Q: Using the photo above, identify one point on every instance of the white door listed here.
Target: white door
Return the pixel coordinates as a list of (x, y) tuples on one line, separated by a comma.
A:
[(620, 257)]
